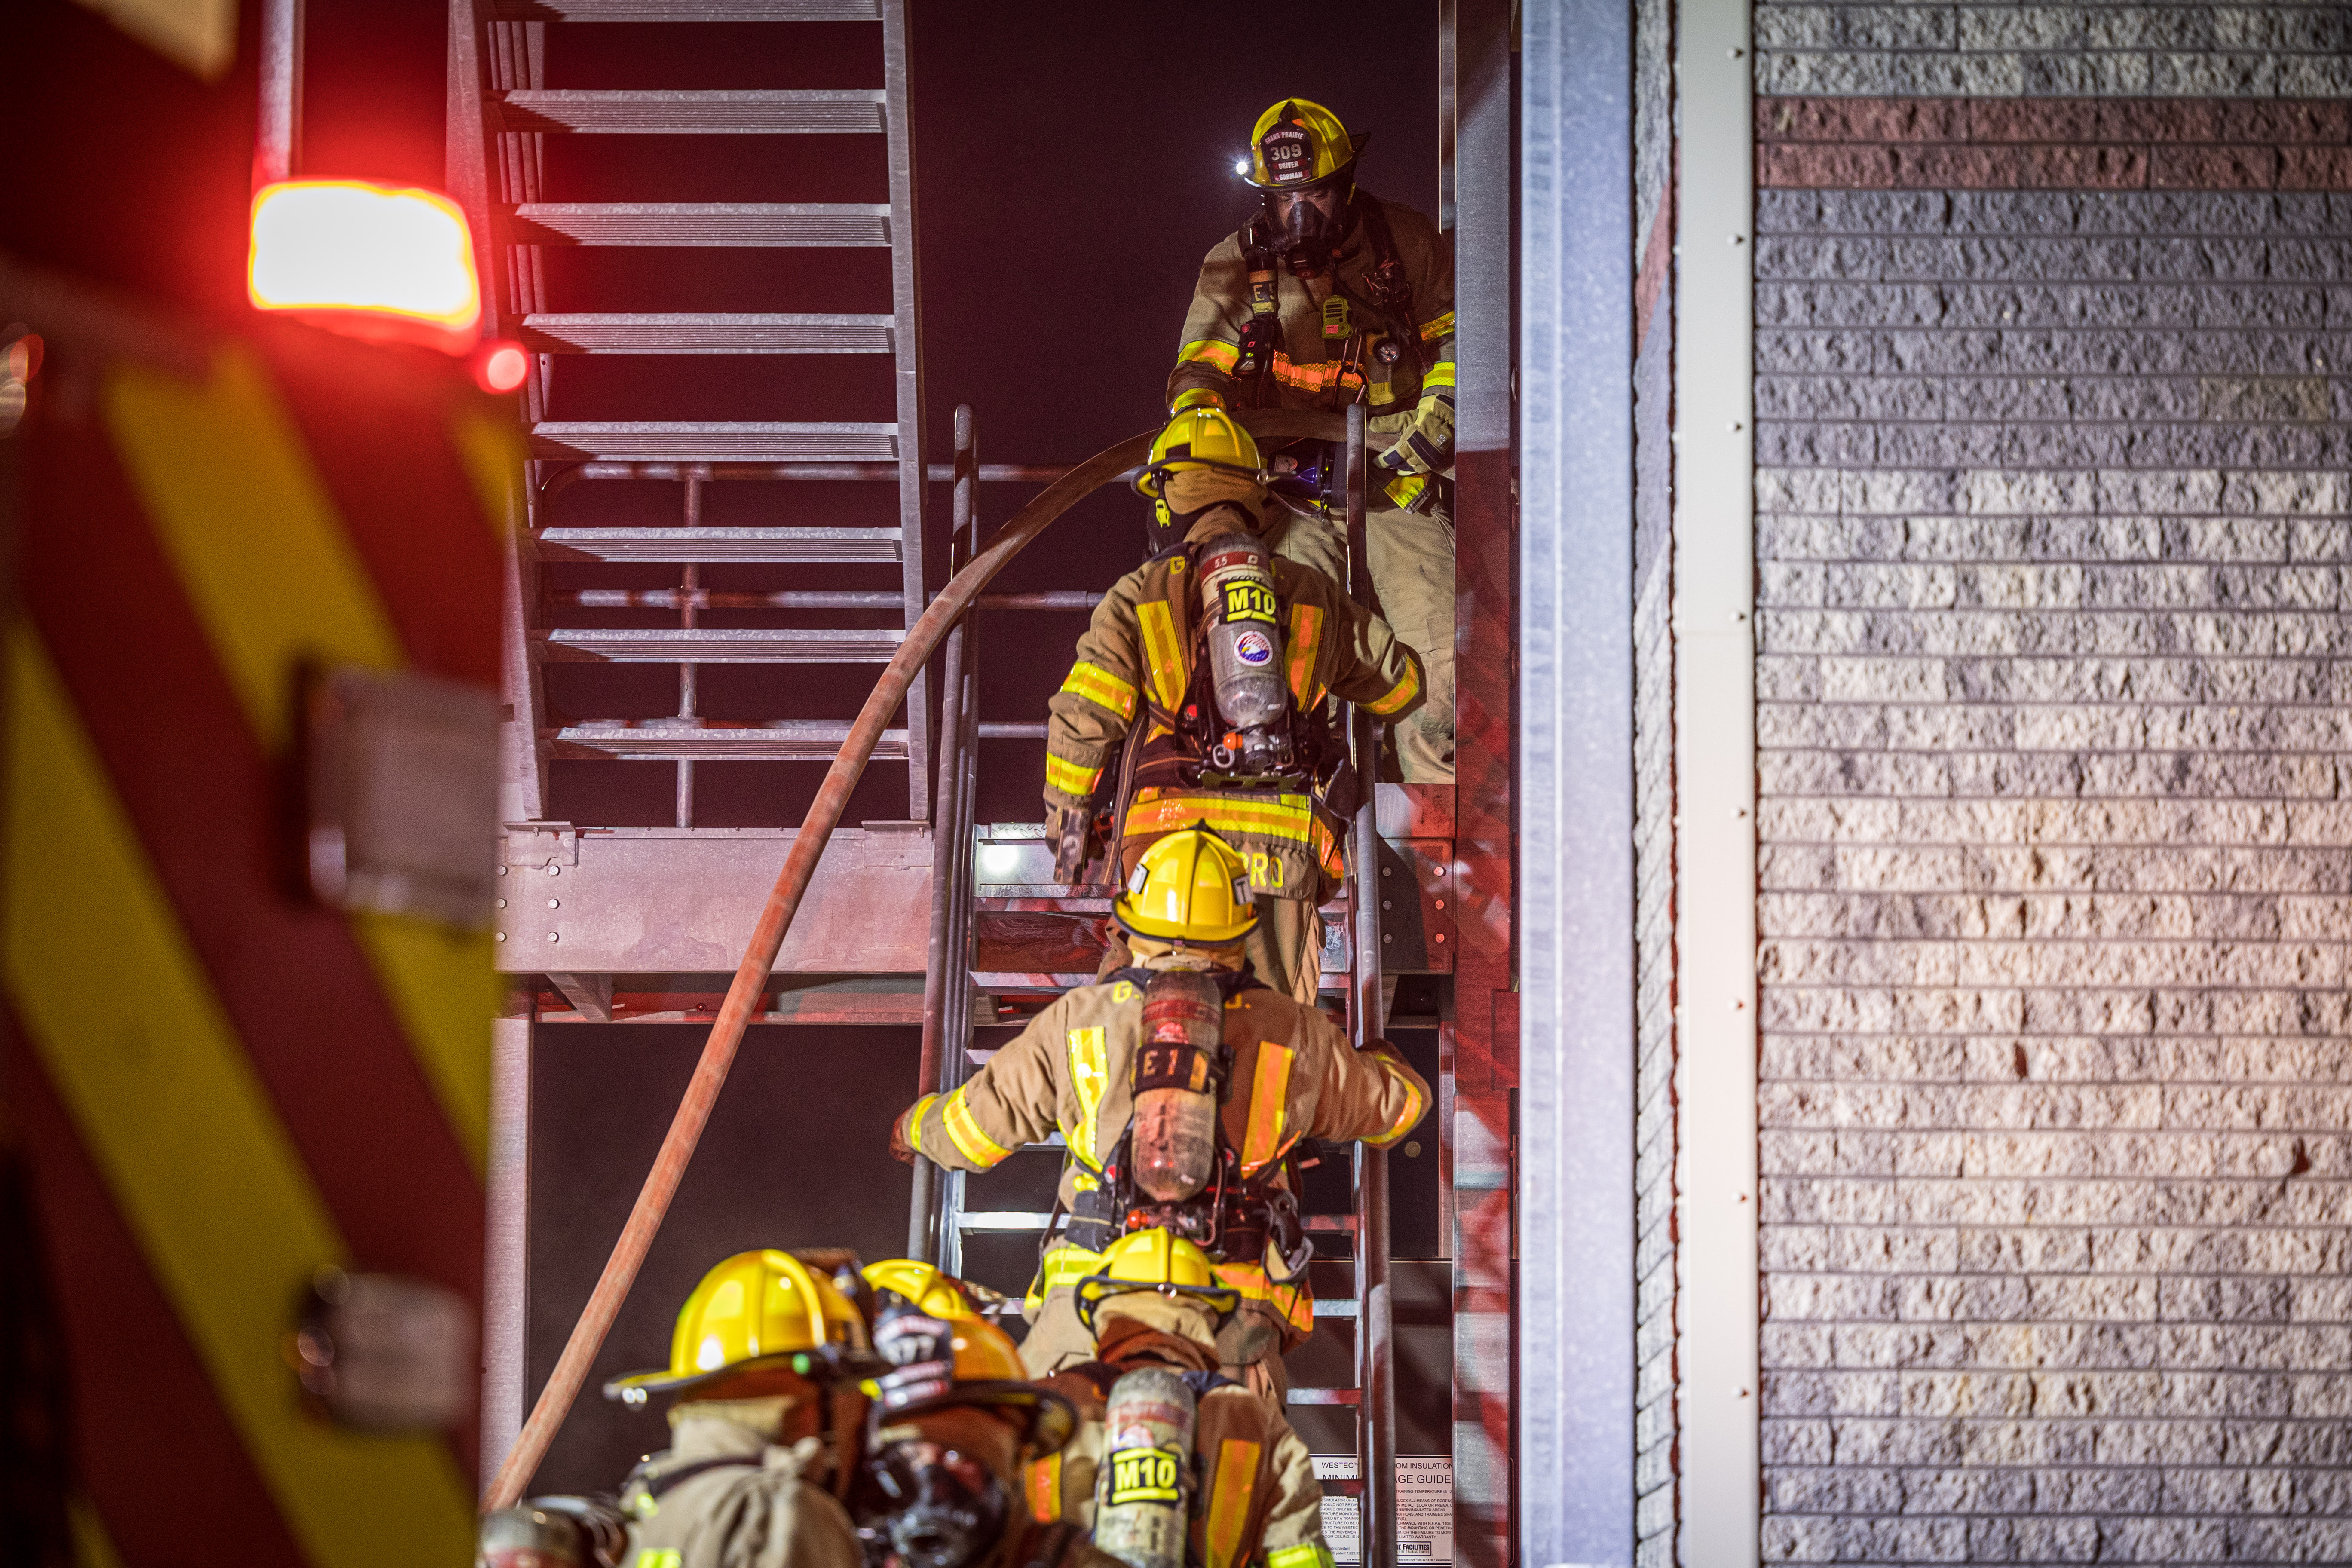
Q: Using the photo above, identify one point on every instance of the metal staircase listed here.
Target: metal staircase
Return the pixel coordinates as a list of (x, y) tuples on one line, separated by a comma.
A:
[(500, 157), (627, 565)]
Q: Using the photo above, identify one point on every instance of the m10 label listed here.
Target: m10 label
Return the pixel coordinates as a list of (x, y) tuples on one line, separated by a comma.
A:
[(1247, 601)]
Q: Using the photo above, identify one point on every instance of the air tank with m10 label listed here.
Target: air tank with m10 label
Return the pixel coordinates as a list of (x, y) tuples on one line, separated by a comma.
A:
[(1240, 622)]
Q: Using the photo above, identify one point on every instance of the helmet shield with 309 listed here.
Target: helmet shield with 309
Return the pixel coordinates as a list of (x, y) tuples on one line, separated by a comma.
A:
[(1299, 144)]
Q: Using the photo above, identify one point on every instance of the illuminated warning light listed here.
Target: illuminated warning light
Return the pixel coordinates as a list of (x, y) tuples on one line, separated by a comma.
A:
[(501, 365), (374, 260)]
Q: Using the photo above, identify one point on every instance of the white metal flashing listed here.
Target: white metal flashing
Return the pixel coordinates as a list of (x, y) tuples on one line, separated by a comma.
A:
[(1575, 712), (1715, 767)]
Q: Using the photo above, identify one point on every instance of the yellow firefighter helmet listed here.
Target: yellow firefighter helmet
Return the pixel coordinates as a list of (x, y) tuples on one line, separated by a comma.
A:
[(1299, 143), (1156, 1260), (1188, 887), (940, 1361), (1199, 437), (920, 1285), (757, 1309)]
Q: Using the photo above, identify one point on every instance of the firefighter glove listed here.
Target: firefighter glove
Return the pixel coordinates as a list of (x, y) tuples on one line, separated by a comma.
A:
[(1425, 445), (1069, 829)]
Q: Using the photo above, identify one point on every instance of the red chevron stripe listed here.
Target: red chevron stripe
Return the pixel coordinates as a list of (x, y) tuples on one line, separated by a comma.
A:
[(422, 536), (205, 801), (155, 1449)]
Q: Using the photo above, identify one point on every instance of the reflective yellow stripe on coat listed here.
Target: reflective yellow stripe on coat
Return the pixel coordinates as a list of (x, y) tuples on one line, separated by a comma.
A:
[(1306, 641), (1403, 692), (1317, 377), (1294, 1303), (1065, 1264), (1291, 818), (1437, 327), (1101, 688), (1089, 1080), (976, 1145), (1069, 777), (1269, 1095), (1044, 1479), (1224, 356), (1415, 1102), (1229, 1500), (1162, 653)]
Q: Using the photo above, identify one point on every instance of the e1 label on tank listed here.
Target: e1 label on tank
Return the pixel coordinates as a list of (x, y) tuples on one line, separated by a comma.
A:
[(1424, 1511)]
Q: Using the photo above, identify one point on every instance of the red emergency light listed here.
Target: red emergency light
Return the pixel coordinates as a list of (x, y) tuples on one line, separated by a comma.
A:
[(376, 261)]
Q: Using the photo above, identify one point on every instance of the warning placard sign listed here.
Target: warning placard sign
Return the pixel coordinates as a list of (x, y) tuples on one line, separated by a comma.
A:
[(1424, 1487)]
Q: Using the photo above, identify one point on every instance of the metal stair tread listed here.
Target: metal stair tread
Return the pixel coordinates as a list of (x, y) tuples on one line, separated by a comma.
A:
[(715, 441), (745, 224), (687, 10), (706, 332), (720, 545), (675, 111), (706, 644), (715, 740)]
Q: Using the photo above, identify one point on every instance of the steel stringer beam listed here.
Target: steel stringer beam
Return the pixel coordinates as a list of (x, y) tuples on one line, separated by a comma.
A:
[(1480, 1046)]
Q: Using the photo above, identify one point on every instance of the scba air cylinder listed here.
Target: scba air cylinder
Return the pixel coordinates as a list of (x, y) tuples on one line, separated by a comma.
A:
[(1176, 1084), (1243, 626), (1142, 1490)]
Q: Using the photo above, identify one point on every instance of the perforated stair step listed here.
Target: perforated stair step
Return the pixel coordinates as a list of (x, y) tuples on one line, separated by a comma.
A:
[(837, 225), (722, 544), (713, 441), (659, 111), (701, 645), (616, 333)]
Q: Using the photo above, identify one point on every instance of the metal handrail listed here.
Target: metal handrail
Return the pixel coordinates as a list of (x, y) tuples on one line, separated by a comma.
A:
[(1375, 1325)]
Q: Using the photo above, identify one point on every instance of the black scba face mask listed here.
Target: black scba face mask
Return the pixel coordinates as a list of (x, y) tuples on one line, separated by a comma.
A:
[(1304, 235), (946, 1509)]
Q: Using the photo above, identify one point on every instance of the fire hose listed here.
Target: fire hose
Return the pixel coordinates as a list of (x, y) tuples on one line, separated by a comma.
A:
[(556, 1400)]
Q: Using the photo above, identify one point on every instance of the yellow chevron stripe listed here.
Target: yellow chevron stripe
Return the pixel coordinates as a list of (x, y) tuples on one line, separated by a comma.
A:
[(243, 513), (248, 523), (190, 1145), (92, 1546), (443, 987), (490, 447)]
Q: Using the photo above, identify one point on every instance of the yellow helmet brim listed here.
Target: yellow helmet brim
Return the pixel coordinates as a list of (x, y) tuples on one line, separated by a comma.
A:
[(1092, 1291), (634, 1388), (1123, 910)]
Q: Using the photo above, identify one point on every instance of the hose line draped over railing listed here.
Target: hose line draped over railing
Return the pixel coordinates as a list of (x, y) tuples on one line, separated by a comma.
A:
[(556, 1400)]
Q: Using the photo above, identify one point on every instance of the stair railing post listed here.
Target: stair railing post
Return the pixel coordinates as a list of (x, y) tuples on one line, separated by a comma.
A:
[(1376, 1412), (924, 1211)]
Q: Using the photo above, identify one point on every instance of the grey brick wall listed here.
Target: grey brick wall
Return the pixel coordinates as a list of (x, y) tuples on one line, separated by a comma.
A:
[(2055, 1086), (1654, 800), (2124, 50)]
